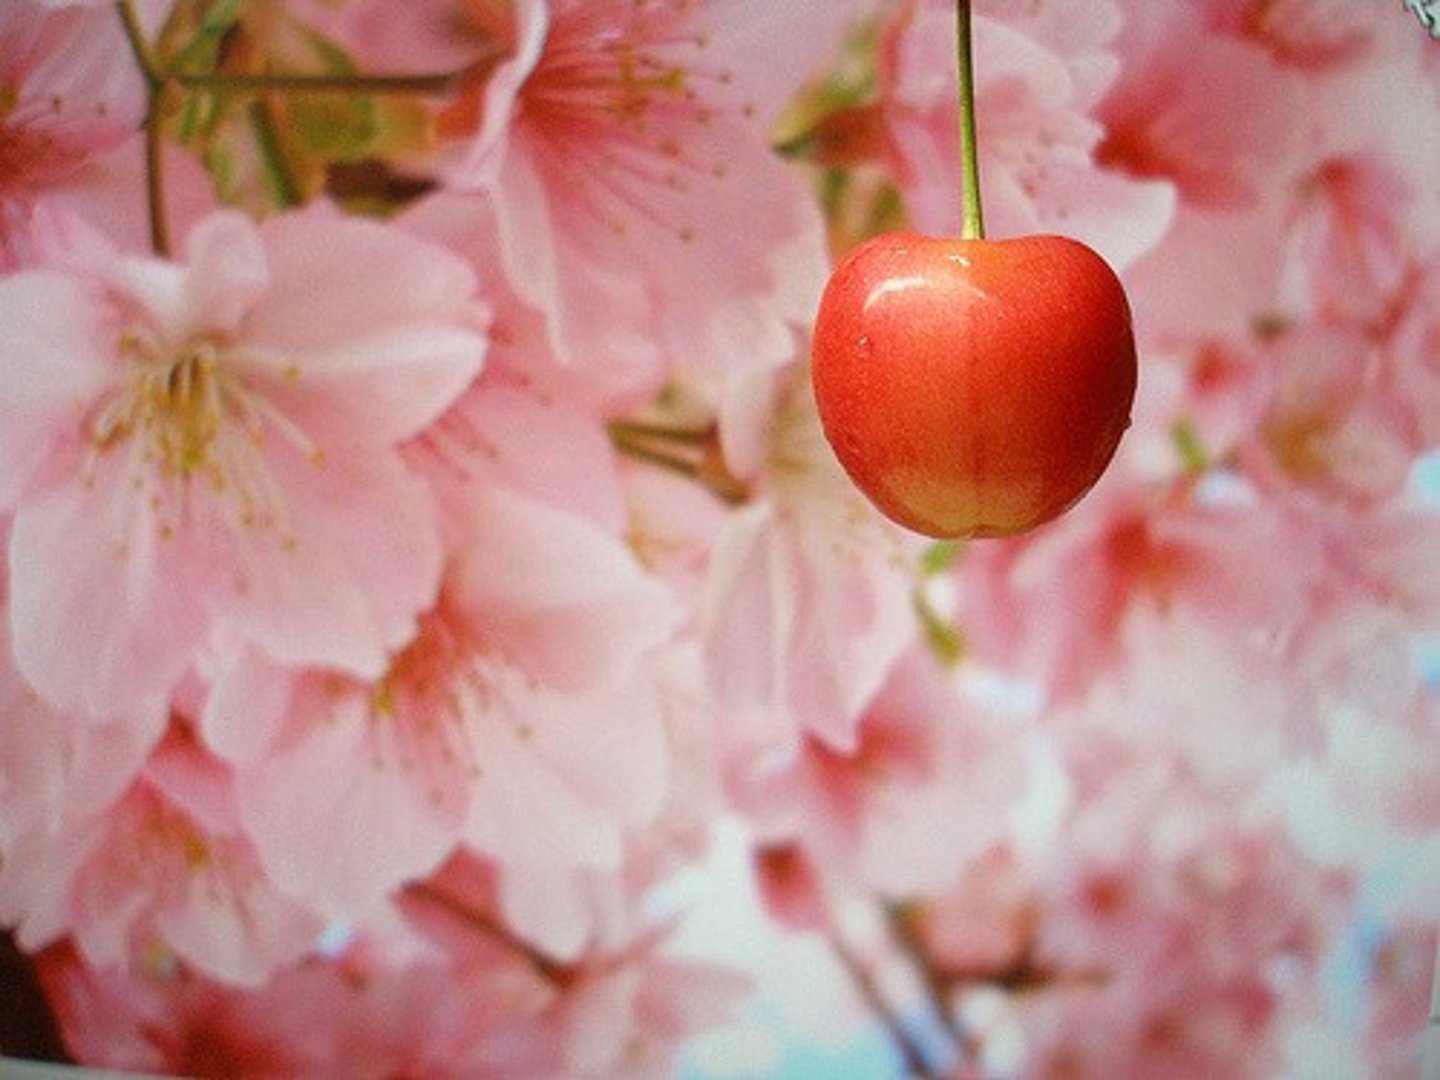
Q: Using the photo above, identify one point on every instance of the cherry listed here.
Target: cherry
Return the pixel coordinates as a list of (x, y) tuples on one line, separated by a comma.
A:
[(973, 387)]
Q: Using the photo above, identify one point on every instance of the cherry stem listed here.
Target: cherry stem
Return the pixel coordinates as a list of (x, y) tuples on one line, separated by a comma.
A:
[(972, 220)]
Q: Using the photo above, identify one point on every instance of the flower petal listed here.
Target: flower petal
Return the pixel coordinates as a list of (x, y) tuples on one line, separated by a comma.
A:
[(51, 367)]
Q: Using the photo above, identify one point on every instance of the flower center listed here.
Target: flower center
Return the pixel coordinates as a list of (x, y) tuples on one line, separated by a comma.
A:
[(621, 101), (175, 402), (184, 414)]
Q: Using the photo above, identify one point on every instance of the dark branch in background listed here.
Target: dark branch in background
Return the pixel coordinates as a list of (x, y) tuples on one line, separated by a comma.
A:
[(27, 1026), (551, 970), (911, 1053)]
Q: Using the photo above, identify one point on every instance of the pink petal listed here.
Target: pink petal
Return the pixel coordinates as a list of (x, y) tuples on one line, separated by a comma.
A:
[(379, 389), (749, 613), (343, 586), (689, 230), (478, 160), (563, 776), (547, 907), (227, 272), (350, 805), (244, 713), (539, 446), (556, 597), (523, 812), (51, 367), (610, 747), (617, 370), (334, 279), (233, 926), (99, 625), (592, 312)]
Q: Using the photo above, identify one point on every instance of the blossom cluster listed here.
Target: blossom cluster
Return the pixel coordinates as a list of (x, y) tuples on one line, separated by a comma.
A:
[(419, 537)]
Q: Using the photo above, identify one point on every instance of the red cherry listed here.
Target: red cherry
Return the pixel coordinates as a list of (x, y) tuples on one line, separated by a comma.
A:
[(973, 387)]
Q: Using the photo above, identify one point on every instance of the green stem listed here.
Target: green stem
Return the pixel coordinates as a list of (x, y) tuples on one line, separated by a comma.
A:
[(641, 429), (972, 220), (437, 83), (691, 453), (135, 36), (284, 188), (155, 179), (639, 451), (154, 143)]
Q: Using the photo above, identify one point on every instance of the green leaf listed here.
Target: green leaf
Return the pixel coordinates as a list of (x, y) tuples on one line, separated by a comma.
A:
[(939, 557), (335, 127), (1194, 457), (943, 637)]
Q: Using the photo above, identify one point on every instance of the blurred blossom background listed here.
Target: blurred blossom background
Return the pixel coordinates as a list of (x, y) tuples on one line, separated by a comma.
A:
[(438, 640)]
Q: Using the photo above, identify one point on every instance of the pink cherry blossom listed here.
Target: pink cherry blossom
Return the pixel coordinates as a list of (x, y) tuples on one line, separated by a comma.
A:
[(522, 699), (1333, 429), (1315, 36), (923, 755), (59, 775), (1053, 607), (639, 205), (494, 1015), (1211, 114), (1347, 240), (68, 94), (423, 1019), (510, 704), (1410, 361), (1037, 84), (164, 872), (607, 383), (205, 449), (807, 599), (1167, 919)]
